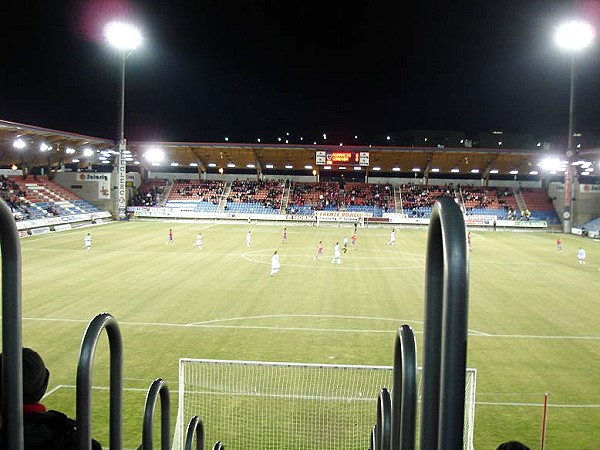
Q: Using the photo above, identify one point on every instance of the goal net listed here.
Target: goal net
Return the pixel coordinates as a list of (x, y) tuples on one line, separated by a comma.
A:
[(339, 217), (267, 405)]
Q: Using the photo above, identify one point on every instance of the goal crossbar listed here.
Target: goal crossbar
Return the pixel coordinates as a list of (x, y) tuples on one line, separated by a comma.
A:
[(277, 405)]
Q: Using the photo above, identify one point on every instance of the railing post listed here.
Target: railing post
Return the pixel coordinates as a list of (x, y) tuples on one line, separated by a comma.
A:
[(157, 387), (445, 336), (84, 381), (12, 353), (404, 392)]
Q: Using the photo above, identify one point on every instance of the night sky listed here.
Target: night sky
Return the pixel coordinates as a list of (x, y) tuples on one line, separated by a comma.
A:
[(210, 69)]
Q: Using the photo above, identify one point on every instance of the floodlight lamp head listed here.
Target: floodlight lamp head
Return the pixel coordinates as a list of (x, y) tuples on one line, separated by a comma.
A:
[(122, 36), (575, 35), (19, 143)]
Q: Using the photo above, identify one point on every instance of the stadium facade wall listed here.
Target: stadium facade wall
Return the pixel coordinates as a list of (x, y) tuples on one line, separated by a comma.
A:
[(587, 201)]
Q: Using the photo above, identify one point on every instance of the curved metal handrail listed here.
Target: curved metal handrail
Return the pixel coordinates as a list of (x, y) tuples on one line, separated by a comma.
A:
[(157, 387), (445, 335), (384, 420), (195, 427), (84, 381), (404, 392), (12, 355)]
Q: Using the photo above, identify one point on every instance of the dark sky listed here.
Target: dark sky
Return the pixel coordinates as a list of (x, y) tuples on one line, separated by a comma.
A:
[(246, 69)]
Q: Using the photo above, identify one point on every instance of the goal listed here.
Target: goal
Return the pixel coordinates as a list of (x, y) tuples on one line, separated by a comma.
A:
[(339, 217), (270, 405)]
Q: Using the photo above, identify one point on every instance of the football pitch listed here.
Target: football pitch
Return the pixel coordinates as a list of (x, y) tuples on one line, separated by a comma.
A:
[(534, 314)]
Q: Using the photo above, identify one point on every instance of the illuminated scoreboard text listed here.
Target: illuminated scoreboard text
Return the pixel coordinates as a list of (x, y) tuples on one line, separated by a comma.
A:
[(337, 158)]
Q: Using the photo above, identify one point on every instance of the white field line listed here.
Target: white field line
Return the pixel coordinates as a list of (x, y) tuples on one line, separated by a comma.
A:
[(503, 404), (214, 324)]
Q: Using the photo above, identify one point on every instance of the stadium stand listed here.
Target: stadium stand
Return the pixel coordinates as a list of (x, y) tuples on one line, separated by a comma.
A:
[(369, 198), (592, 225), (255, 197), (539, 204), (200, 195), (150, 192), (305, 198), (38, 197)]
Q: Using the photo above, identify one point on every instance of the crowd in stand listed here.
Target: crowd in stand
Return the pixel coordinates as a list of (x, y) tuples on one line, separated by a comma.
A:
[(317, 196), (376, 195), (204, 191), (268, 193), (15, 198), (148, 194)]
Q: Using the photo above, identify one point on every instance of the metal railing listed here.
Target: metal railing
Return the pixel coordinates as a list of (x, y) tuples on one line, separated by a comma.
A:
[(444, 348)]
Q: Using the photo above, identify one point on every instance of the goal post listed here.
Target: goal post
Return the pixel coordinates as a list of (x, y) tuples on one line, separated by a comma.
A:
[(339, 217), (274, 405)]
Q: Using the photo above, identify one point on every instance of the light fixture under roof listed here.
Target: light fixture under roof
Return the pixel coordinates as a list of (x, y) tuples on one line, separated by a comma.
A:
[(474, 170), (376, 168), (193, 164), (308, 167), (231, 165), (494, 171), (513, 172), (212, 165), (269, 166), (396, 169), (250, 166), (19, 143), (289, 166), (455, 170), (435, 169)]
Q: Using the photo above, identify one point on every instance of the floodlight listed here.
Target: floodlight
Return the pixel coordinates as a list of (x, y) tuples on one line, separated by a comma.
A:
[(550, 164), (87, 152), (575, 35), (154, 155), (19, 143), (44, 147), (69, 151), (122, 35)]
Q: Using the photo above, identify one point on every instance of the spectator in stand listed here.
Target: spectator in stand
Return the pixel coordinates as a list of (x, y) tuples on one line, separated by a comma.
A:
[(42, 429), (512, 445)]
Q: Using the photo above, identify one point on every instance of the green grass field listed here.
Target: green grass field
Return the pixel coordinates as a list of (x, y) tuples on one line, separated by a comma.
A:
[(534, 314)]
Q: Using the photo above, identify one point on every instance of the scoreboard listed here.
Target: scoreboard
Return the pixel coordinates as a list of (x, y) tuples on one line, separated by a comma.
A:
[(341, 157)]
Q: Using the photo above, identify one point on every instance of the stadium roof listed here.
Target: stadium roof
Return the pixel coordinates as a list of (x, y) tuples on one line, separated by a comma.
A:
[(47, 147)]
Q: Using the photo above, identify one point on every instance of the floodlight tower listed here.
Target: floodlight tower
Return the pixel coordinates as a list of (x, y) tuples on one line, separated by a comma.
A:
[(125, 38), (573, 36)]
